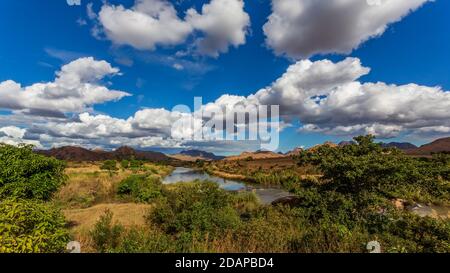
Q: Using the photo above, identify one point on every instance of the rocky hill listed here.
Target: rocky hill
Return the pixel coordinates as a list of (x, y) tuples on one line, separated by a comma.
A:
[(193, 155), (78, 154), (399, 145), (255, 155), (437, 146)]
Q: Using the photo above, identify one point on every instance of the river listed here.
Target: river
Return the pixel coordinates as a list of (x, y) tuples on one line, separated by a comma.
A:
[(266, 194)]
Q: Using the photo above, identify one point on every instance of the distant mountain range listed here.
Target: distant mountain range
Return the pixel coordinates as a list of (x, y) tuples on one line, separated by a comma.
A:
[(255, 155), (72, 153), (193, 155), (399, 145), (437, 146)]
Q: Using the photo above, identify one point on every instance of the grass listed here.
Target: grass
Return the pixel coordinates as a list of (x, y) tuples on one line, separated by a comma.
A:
[(88, 185), (90, 191), (262, 171), (81, 221), (195, 217)]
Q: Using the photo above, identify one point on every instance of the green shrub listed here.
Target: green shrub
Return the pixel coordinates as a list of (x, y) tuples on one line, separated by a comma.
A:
[(106, 235), (137, 240), (367, 167), (198, 206), (125, 164), (136, 164), (140, 188), (406, 232), (109, 165), (24, 174), (28, 226)]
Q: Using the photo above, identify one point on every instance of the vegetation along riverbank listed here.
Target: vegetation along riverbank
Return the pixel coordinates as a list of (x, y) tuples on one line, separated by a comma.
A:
[(346, 196)]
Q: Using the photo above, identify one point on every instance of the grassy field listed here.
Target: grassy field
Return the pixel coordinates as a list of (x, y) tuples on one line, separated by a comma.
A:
[(344, 198), (90, 191), (273, 171)]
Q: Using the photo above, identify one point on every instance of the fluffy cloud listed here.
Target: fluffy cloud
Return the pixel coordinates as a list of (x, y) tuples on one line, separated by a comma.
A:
[(158, 127), (14, 136), (151, 23), (223, 22), (75, 89), (304, 82), (147, 24), (302, 28), (326, 97)]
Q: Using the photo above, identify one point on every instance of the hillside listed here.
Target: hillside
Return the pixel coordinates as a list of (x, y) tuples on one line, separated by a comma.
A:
[(295, 152), (255, 155), (399, 145), (78, 154), (437, 146), (194, 155), (74, 153)]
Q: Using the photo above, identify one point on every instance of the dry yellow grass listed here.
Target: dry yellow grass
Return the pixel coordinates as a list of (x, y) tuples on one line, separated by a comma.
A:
[(88, 185), (90, 191), (127, 214), (83, 220)]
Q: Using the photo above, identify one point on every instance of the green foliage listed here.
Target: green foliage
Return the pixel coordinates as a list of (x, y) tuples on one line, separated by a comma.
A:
[(136, 164), (137, 240), (109, 165), (367, 167), (105, 234), (405, 232), (109, 237), (140, 188), (28, 226), (200, 206), (24, 174), (125, 164), (199, 163), (280, 177), (355, 194)]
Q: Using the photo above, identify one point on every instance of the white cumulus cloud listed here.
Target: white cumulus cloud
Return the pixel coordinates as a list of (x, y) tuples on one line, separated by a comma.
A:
[(151, 23), (302, 28), (76, 88)]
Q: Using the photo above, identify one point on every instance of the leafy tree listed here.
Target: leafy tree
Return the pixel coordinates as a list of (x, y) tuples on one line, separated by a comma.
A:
[(25, 174), (196, 207), (141, 188), (28, 226), (109, 165), (105, 234), (125, 164), (136, 164), (365, 167)]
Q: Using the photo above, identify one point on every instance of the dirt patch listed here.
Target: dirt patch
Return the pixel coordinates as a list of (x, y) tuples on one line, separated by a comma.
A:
[(128, 214)]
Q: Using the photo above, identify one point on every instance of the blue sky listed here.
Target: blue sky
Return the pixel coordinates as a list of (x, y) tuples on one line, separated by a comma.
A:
[(38, 37)]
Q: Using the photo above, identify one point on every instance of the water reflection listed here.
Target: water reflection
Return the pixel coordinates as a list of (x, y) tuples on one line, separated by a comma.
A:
[(189, 175), (267, 194)]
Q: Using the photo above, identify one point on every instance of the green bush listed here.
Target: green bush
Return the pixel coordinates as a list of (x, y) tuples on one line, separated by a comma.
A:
[(105, 234), (137, 240), (109, 165), (140, 188), (24, 174), (406, 232), (198, 206), (367, 167), (136, 164), (28, 226), (125, 164)]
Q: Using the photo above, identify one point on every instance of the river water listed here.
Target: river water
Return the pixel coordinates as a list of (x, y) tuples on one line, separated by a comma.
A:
[(266, 194)]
